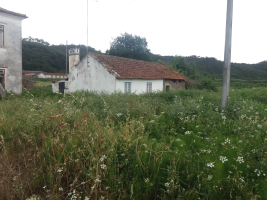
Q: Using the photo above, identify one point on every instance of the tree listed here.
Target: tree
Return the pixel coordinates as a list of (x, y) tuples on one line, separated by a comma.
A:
[(130, 46), (185, 68)]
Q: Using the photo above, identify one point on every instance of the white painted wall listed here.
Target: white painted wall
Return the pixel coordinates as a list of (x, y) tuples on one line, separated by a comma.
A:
[(55, 86), (41, 75), (138, 86), (94, 77), (11, 53)]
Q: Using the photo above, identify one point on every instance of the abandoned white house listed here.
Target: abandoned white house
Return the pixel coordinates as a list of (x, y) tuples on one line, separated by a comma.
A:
[(10, 51), (111, 73)]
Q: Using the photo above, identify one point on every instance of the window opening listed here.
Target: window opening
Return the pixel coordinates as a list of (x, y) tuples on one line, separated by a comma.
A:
[(149, 87), (127, 87), (1, 35)]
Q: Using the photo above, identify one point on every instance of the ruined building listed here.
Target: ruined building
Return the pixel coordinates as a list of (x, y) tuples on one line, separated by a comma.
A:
[(105, 73), (10, 51)]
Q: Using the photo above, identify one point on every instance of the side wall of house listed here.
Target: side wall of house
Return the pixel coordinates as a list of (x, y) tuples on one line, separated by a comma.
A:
[(11, 52), (94, 77), (174, 84), (139, 86)]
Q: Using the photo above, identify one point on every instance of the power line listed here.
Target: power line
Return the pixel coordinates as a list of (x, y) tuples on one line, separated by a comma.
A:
[(108, 18), (111, 15)]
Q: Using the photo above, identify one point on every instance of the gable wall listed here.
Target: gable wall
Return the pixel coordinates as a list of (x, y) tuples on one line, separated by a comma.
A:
[(138, 86), (11, 53), (95, 77)]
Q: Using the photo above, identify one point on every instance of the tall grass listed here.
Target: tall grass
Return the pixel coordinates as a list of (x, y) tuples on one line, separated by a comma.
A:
[(174, 145)]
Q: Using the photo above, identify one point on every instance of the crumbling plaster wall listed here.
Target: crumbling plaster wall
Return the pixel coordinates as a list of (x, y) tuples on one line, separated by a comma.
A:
[(11, 53), (94, 77), (174, 84)]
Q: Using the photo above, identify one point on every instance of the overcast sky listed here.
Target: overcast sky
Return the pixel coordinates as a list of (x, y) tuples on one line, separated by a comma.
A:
[(171, 27)]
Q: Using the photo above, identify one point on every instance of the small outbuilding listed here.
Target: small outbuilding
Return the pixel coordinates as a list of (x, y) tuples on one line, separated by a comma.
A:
[(105, 73)]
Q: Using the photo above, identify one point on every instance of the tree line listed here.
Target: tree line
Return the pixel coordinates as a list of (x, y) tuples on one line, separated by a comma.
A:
[(39, 55)]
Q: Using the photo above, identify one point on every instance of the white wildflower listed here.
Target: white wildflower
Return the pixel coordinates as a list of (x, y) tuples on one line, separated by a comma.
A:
[(97, 180), (103, 166), (240, 159), (167, 184), (60, 170), (146, 180), (210, 165), (258, 172), (119, 114), (210, 177), (223, 159), (227, 141), (103, 158), (188, 132)]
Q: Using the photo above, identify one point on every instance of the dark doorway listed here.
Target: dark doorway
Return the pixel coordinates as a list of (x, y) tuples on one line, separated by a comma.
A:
[(2, 82), (61, 87), (167, 88)]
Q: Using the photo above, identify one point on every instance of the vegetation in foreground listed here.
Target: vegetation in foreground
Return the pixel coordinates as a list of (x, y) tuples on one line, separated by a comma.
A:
[(174, 145)]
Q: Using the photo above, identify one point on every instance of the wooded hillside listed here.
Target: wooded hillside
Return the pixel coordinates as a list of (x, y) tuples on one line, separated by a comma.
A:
[(213, 67), (38, 55)]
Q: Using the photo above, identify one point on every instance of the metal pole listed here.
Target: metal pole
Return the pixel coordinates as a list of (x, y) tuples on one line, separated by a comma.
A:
[(227, 54), (66, 58)]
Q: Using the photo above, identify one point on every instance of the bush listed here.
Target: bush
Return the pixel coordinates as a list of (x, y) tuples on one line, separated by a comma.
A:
[(207, 83)]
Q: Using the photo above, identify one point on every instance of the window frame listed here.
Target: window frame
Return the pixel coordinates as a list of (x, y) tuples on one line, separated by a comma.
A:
[(126, 88), (147, 88), (3, 37)]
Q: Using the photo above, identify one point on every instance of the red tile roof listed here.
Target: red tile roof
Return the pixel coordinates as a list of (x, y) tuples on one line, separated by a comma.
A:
[(136, 69), (58, 74), (12, 13)]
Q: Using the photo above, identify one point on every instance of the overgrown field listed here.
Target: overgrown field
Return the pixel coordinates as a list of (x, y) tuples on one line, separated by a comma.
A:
[(174, 145)]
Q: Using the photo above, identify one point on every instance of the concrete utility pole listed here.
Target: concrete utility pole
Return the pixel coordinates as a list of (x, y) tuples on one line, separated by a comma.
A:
[(66, 58), (87, 37), (227, 54)]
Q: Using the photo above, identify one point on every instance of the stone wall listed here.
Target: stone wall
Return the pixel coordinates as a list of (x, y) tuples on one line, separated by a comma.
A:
[(173, 84), (27, 84)]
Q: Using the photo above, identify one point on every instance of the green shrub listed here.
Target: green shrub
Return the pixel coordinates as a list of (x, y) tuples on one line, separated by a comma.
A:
[(207, 83)]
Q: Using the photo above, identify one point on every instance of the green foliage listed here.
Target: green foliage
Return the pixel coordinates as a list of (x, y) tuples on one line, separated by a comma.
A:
[(213, 68), (185, 68), (38, 55), (207, 83), (130, 46), (175, 145)]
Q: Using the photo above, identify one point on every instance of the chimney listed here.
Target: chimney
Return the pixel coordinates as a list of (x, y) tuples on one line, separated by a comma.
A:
[(74, 58)]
